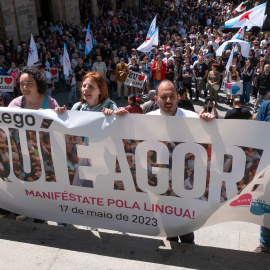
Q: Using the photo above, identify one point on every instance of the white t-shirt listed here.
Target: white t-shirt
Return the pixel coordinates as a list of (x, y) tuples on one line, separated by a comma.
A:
[(179, 112)]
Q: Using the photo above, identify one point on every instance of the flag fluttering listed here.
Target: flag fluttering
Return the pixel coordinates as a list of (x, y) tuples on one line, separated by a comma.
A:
[(149, 42), (254, 16), (240, 33), (66, 63), (88, 41), (32, 53), (239, 9), (230, 60), (245, 47), (152, 27)]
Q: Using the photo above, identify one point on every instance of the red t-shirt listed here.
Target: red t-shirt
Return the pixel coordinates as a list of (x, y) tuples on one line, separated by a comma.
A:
[(133, 108)]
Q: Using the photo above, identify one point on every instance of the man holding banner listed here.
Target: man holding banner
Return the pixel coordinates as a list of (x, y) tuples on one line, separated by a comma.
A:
[(167, 100)]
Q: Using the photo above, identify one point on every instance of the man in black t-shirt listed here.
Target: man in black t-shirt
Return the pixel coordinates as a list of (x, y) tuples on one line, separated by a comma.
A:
[(183, 103), (238, 112), (80, 71), (200, 72)]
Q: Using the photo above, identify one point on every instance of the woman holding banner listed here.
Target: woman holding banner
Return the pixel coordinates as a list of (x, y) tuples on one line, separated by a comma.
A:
[(33, 87), (247, 74), (94, 98)]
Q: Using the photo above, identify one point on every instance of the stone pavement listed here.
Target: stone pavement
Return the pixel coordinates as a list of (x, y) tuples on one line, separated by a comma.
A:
[(27, 245)]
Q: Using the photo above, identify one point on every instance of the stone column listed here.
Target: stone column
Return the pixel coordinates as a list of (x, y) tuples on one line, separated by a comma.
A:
[(94, 8), (72, 12), (26, 18), (58, 10), (113, 5), (133, 5), (8, 22)]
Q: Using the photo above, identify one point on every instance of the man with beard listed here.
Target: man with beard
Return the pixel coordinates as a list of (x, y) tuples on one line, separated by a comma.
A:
[(100, 67), (167, 100)]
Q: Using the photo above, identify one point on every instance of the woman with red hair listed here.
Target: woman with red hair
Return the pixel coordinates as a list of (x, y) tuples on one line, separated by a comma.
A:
[(95, 96)]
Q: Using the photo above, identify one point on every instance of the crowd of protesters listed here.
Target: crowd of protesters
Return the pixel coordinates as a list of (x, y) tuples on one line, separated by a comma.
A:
[(189, 37), (186, 55)]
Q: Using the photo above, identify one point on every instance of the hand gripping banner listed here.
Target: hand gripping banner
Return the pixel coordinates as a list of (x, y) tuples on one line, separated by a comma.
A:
[(142, 174)]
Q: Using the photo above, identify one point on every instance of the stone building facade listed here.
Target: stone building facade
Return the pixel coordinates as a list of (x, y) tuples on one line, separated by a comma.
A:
[(19, 18)]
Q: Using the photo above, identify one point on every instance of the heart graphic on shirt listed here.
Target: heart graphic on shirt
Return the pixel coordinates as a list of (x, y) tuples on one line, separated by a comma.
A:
[(8, 80), (141, 77), (54, 71)]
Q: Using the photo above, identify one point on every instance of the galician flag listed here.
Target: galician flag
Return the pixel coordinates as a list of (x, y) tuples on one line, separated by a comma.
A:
[(66, 63), (230, 60), (32, 53), (88, 41), (149, 42), (239, 9), (240, 33), (250, 25), (152, 27), (253, 16)]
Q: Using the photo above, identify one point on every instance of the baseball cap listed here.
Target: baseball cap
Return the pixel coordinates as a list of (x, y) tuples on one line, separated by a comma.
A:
[(209, 55)]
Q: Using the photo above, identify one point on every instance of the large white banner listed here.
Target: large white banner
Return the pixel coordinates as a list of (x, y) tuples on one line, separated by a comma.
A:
[(143, 174)]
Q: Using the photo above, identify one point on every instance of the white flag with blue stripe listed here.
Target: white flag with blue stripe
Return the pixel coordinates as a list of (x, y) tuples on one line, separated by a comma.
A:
[(149, 42), (66, 63), (254, 16), (241, 32), (32, 53), (152, 27), (88, 41)]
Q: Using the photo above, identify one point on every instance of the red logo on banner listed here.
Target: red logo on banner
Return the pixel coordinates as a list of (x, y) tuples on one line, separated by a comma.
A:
[(244, 199), (54, 71), (8, 80)]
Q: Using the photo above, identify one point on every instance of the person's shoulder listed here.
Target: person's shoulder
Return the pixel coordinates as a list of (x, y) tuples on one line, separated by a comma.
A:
[(156, 112), (16, 102), (52, 103), (76, 106), (186, 113)]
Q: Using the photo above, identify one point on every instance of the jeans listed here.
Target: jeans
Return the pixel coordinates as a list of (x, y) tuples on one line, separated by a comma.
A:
[(188, 86), (265, 237), (260, 99), (119, 88), (72, 94), (246, 92), (156, 82), (200, 86)]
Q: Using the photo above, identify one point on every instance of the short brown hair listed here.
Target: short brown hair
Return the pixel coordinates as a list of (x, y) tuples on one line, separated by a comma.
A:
[(101, 83)]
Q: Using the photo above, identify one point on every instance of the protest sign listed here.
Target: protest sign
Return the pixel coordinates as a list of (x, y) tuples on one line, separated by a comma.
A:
[(54, 72), (6, 83), (145, 174), (135, 79), (234, 88)]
